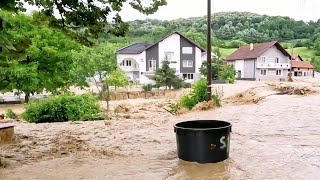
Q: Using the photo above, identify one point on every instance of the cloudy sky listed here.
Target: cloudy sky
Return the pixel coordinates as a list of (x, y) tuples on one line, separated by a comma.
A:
[(305, 10), (298, 9)]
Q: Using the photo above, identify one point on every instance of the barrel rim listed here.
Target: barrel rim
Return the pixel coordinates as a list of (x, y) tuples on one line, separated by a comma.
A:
[(202, 129), (6, 125)]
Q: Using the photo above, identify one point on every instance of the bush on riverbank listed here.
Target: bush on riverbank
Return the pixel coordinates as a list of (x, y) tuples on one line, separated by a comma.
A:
[(196, 99), (62, 108), (10, 114)]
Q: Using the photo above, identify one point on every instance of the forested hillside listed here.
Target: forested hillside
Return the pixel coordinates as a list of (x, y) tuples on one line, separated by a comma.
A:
[(232, 30)]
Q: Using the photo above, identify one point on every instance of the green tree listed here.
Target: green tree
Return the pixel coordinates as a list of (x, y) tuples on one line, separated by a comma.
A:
[(316, 63), (96, 63), (236, 43), (198, 38), (220, 71), (42, 58), (85, 18), (166, 76), (216, 68), (118, 78)]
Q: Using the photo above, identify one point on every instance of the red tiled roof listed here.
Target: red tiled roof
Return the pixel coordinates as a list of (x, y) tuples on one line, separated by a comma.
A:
[(295, 56), (301, 64), (244, 52)]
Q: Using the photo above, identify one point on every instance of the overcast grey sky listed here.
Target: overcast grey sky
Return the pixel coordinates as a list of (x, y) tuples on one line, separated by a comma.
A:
[(298, 9), (305, 10)]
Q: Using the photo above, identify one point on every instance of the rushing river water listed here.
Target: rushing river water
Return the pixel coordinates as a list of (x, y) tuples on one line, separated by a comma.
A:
[(277, 139)]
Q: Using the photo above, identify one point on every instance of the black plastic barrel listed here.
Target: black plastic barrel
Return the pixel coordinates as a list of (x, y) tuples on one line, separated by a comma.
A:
[(203, 141)]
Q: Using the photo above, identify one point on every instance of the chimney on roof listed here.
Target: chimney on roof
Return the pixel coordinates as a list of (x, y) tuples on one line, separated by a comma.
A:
[(251, 46)]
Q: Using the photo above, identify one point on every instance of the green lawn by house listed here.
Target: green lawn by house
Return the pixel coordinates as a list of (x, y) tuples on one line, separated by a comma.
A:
[(227, 52), (304, 52)]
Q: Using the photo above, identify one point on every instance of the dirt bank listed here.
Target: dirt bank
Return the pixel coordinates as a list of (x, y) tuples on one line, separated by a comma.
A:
[(276, 139)]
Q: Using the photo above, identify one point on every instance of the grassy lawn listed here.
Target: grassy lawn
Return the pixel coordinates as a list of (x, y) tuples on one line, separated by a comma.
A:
[(227, 52), (304, 52)]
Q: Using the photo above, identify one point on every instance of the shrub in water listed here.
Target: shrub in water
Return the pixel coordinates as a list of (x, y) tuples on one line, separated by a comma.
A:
[(10, 114), (198, 95), (174, 108), (216, 97), (147, 87), (188, 101), (231, 80), (62, 108)]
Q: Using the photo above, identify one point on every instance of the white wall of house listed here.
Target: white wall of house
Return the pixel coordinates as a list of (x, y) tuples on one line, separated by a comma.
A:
[(143, 64), (274, 52), (271, 74), (139, 63), (271, 66), (170, 44), (239, 66), (198, 60)]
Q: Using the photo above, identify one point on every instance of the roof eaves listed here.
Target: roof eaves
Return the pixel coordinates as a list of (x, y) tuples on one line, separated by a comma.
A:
[(176, 32), (126, 47), (131, 53)]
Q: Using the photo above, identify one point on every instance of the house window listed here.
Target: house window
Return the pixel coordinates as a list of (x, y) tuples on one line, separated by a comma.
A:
[(169, 55), (187, 50), (279, 72), (187, 63), (263, 59), (152, 65), (125, 63), (305, 74), (187, 76), (128, 63), (263, 72), (277, 60)]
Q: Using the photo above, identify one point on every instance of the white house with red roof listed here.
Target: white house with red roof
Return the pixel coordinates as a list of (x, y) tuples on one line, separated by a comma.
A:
[(265, 61)]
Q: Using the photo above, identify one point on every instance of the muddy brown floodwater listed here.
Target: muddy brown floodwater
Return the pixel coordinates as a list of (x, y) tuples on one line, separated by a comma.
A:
[(278, 138)]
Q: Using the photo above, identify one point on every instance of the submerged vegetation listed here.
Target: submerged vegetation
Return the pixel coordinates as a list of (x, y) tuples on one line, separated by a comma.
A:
[(62, 108), (197, 97)]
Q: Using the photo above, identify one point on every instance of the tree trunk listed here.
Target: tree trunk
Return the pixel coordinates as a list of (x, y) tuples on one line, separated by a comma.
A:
[(27, 97), (96, 83), (103, 88)]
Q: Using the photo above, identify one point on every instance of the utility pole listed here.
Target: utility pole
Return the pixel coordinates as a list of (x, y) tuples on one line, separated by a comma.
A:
[(209, 65)]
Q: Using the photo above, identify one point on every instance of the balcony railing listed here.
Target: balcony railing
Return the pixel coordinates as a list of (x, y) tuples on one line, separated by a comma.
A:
[(149, 73), (274, 65)]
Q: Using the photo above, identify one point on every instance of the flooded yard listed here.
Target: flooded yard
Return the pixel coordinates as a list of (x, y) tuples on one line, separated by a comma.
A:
[(277, 138)]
